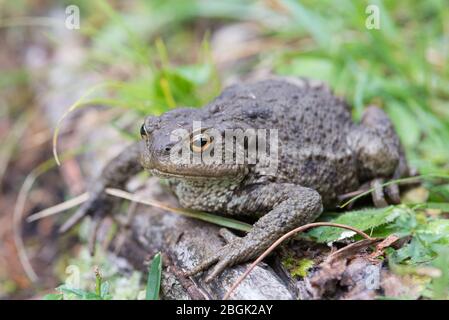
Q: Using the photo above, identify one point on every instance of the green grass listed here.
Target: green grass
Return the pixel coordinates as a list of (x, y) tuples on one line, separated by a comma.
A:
[(95, 278), (154, 278), (402, 67)]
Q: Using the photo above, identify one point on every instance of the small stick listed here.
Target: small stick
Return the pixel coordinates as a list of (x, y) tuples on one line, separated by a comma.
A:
[(63, 206), (285, 236)]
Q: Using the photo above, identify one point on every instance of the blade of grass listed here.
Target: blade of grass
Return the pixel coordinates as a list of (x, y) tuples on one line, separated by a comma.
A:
[(98, 281), (444, 206), (138, 45), (398, 181), (218, 220), (72, 108), (63, 206), (154, 278), (19, 211)]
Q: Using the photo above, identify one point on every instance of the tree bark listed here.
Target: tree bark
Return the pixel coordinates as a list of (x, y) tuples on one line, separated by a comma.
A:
[(184, 242)]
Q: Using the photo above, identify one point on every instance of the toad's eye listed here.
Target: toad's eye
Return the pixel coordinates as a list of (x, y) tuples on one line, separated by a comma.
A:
[(143, 132), (200, 142)]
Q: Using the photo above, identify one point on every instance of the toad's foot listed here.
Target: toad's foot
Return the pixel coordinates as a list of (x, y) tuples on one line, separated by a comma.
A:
[(288, 206), (238, 250), (381, 195), (379, 191), (96, 206), (115, 175)]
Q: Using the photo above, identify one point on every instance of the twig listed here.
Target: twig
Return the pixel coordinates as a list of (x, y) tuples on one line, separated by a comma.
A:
[(388, 241), (7, 148), (63, 206), (17, 228), (350, 249), (19, 211), (30, 21), (285, 236)]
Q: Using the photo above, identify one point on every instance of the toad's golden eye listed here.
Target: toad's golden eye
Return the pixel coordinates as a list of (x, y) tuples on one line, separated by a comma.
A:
[(200, 142)]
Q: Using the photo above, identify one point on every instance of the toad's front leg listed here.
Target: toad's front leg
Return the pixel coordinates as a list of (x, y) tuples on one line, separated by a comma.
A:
[(287, 205), (114, 175)]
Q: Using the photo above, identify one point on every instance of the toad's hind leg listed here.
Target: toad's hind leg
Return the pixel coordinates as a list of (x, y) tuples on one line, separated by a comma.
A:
[(376, 119), (380, 154)]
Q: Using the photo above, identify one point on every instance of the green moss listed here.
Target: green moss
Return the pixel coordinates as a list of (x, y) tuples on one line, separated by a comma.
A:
[(298, 268)]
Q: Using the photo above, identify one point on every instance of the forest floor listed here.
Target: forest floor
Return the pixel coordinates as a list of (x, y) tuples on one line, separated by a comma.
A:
[(142, 58)]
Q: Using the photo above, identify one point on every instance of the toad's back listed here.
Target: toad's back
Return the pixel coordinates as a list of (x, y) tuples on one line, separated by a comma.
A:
[(313, 126)]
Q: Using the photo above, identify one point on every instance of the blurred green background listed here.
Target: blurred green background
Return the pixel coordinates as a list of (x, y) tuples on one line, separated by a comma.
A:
[(145, 57)]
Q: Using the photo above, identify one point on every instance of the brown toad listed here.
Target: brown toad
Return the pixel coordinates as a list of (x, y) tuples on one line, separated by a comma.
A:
[(320, 152)]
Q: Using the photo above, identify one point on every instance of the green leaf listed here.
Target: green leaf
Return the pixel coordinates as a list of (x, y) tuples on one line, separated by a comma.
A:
[(415, 252), (308, 66), (104, 290), (92, 296), (78, 293), (364, 220), (428, 238), (154, 278), (198, 74), (437, 227), (440, 285), (54, 296)]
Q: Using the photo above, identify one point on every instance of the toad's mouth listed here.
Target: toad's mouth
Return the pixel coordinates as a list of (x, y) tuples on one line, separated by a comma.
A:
[(190, 175), (166, 174)]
